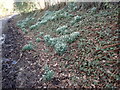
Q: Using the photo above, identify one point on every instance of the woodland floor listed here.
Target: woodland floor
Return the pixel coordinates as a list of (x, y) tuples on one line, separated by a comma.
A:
[(92, 63)]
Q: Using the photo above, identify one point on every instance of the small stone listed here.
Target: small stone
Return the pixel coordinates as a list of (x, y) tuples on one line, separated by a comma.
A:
[(14, 62)]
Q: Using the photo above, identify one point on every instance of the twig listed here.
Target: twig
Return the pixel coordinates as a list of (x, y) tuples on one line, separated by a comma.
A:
[(110, 45), (107, 46)]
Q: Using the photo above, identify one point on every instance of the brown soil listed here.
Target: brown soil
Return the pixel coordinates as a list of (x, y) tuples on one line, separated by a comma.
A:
[(24, 69)]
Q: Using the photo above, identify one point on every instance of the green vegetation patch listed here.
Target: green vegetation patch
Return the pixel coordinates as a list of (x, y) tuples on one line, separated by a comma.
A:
[(25, 30), (27, 47), (60, 47), (60, 43), (38, 39), (76, 19), (62, 30), (25, 23), (48, 74)]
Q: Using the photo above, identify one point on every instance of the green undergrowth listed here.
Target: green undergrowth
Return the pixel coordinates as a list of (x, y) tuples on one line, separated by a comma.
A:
[(50, 16), (26, 22), (60, 43), (78, 37), (29, 46), (48, 73)]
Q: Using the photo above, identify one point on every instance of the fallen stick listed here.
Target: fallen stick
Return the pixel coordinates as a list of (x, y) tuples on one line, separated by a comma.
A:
[(110, 45), (107, 46)]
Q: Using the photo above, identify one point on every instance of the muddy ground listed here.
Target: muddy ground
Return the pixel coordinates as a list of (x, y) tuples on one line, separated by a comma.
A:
[(10, 56), (19, 69)]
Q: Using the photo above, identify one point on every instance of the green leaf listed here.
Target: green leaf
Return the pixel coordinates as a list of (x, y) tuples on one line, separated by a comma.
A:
[(27, 47), (38, 39), (60, 47)]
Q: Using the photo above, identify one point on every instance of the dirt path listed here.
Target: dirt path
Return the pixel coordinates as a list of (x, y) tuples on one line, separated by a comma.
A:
[(4, 27), (16, 65), (10, 54)]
